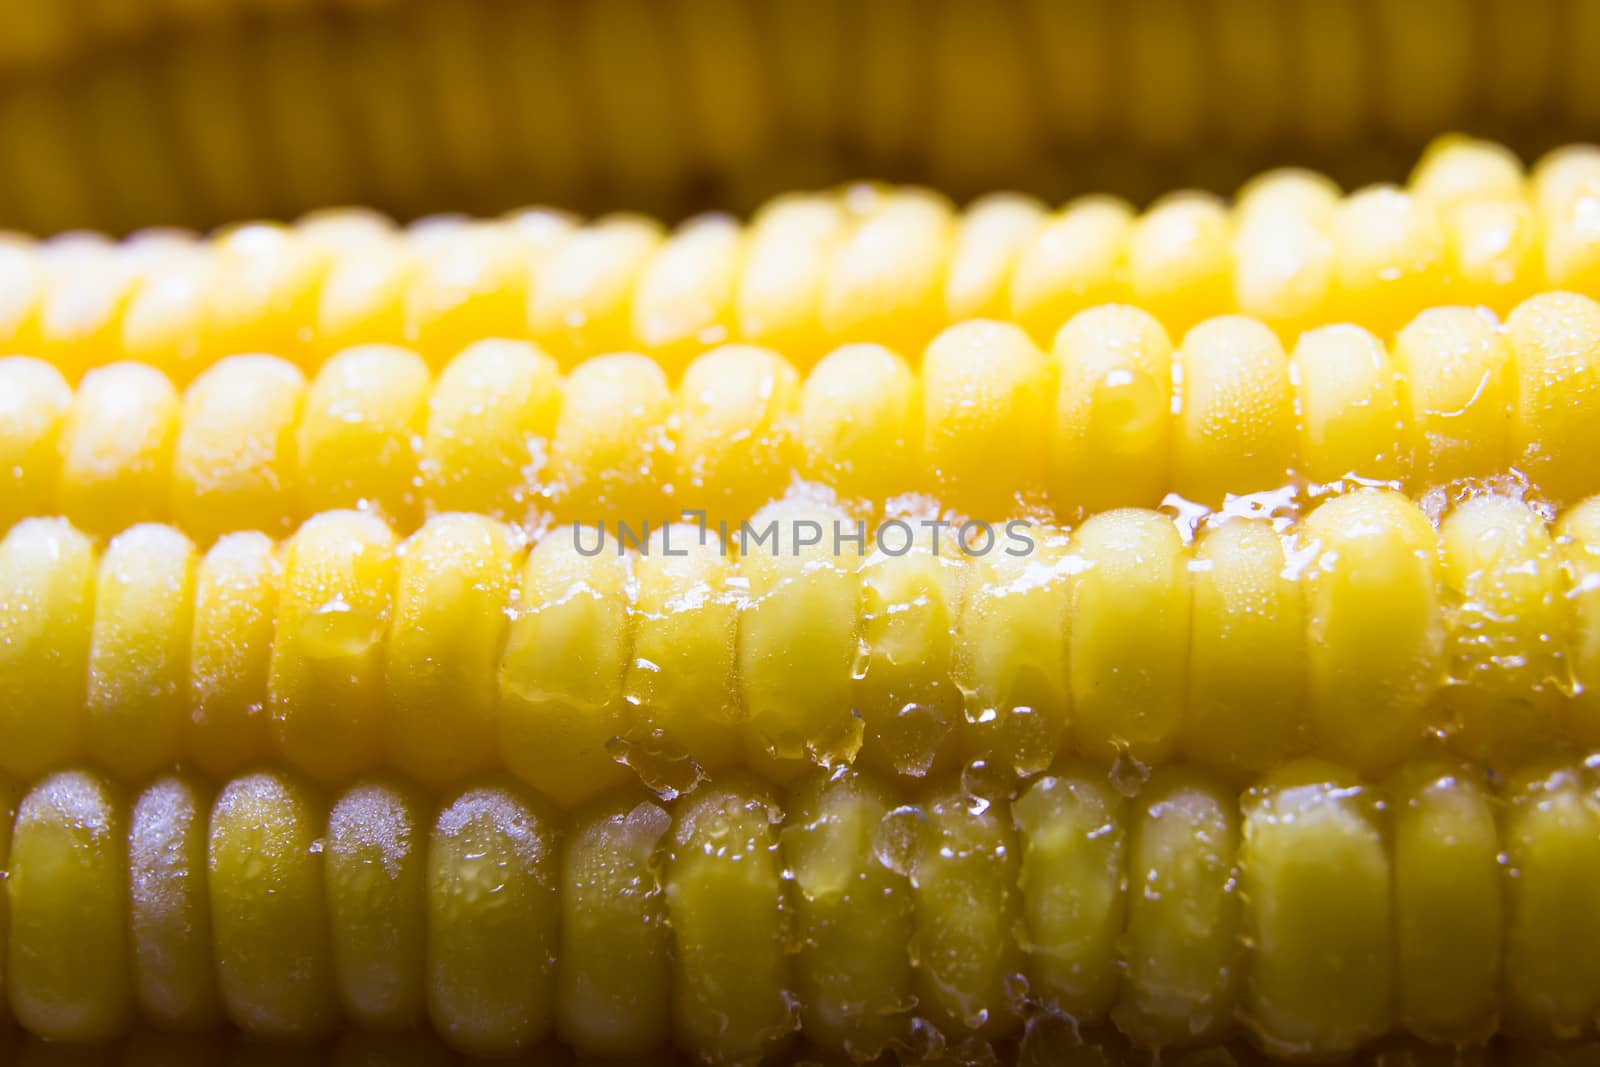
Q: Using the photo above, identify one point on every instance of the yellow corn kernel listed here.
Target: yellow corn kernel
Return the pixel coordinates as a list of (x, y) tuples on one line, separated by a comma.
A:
[(1070, 830), (1375, 626), (1494, 251), (725, 906), (1247, 652), (492, 919), (233, 464), (985, 417), (1570, 227), (1551, 839), (22, 284), (798, 638), (1556, 341), (681, 677), (1389, 257), (778, 301), (1315, 876), (1236, 431), (614, 968), (1075, 261), (1578, 542), (360, 431), (67, 963), (736, 412), (885, 282), (265, 872), (174, 979), (1348, 405), (582, 301), (1128, 647), (1507, 639), (139, 651), (228, 727), (907, 696), (1448, 901), (1179, 260), (1456, 168), (683, 301), (853, 915), (1561, 174), (1011, 655), (34, 400), (963, 850), (989, 239), (326, 679), (561, 676), (1183, 906), (80, 317), (613, 446), (856, 426), (363, 299), (376, 869), (1283, 249), (165, 320), (47, 576), (491, 416), (1111, 434), (1457, 387), (471, 284), (455, 580), (265, 285), (116, 448)]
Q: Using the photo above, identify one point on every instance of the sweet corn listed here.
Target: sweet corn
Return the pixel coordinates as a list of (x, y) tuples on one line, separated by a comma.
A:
[(988, 425), (1357, 631), (812, 272), (1313, 912)]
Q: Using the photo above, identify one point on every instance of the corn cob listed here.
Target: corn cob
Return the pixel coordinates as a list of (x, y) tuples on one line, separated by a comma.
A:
[(420, 105), (1357, 634), (813, 272), (1313, 913), (988, 425)]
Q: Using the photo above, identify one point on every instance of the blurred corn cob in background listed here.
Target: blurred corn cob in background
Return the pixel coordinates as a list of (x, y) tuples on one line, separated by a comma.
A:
[(121, 113)]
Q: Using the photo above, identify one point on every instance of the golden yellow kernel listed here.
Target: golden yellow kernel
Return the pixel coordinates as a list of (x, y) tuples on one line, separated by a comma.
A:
[(885, 282), (1578, 543), (1349, 409), (1129, 643), (1454, 169), (228, 728), (1456, 391), (736, 428), (985, 404), (778, 301), (34, 400), (1389, 258), (612, 451), (1077, 260), (360, 433), (139, 651), (470, 285), (67, 974), (1235, 431), (491, 416), (233, 466), (265, 286), (989, 239), (683, 304), (582, 302), (1111, 434), (856, 426), (363, 300), (1179, 260), (454, 588), (492, 918), (1555, 341), (265, 874), (561, 675), (47, 579), (334, 607), (116, 448), (1494, 253)]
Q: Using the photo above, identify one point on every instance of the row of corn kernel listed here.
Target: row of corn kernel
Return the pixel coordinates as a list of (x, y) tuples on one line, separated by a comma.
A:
[(653, 102), (812, 272), (989, 424), (1315, 914), (1360, 635)]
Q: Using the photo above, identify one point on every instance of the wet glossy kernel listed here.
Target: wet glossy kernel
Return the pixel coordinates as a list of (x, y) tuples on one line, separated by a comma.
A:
[(1235, 431), (116, 448), (34, 400), (174, 977), (228, 727)]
